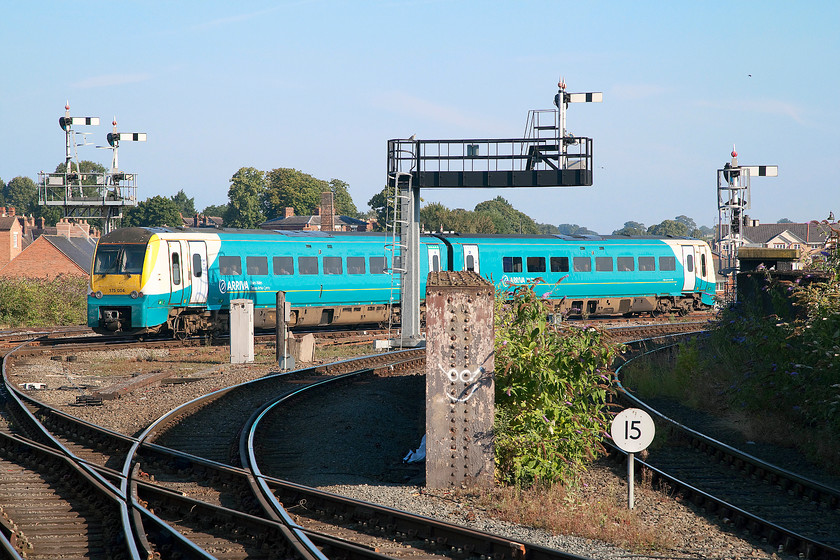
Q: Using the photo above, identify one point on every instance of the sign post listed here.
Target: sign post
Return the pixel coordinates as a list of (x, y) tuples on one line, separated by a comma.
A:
[(632, 431)]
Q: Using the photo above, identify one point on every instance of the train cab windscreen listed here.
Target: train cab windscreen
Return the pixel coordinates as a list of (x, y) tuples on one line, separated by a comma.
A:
[(119, 259)]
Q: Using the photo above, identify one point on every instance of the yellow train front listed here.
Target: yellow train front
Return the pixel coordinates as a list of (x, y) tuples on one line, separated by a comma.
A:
[(181, 281)]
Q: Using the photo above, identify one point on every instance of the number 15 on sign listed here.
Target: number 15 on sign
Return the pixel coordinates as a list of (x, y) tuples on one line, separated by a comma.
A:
[(632, 431)]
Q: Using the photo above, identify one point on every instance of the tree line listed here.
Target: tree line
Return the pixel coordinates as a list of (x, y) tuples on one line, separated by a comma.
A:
[(255, 196)]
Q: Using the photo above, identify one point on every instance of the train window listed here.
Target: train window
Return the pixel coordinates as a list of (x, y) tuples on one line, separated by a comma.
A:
[(435, 263), (176, 268), (623, 264), (582, 264), (378, 265), (284, 265), (332, 265), (257, 266), (512, 264), (134, 255), (647, 263), (470, 264), (689, 263), (703, 264), (667, 263), (604, 264), (355, 265), (230, 266), (308, 265), (535, 264), (196, 265), (559, 264)]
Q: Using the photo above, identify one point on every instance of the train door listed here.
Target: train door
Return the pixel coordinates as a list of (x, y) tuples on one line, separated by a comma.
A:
[(198, 260), (471, 258), (688, 267), (434, 258), (176, 273)]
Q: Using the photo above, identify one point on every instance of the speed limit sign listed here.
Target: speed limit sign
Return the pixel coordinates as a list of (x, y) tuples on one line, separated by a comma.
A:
[(632, 430)]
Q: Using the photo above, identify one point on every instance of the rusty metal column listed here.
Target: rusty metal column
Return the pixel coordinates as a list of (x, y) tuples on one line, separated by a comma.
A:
[(459, 380)]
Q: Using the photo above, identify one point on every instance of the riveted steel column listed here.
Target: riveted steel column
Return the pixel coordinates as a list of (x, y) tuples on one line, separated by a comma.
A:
[(459, 380)]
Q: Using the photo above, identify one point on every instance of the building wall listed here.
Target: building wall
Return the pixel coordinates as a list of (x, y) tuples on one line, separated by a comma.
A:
[(11, 241), (42, 260)]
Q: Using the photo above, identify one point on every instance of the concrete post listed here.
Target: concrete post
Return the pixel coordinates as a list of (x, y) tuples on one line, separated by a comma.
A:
[(459, 380)]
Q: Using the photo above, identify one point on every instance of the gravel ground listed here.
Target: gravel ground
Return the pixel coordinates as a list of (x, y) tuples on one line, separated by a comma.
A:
[(694, 535)]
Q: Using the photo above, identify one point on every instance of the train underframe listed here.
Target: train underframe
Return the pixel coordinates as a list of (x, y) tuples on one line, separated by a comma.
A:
[(183, 321), (654, 305)]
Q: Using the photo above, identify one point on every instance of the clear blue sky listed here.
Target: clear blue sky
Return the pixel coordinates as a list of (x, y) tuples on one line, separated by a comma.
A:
[(321, 86)]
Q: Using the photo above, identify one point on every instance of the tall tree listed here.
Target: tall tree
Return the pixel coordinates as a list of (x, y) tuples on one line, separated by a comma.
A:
[(215, 210), (574, 229), (505, 218), (247, 189), (186, 205), (784, 221), (382, 209), (631, 228), (301, 191), (153, 212), (687, 222), (436, 217), (548, 228), (22, 193), (669, 227)]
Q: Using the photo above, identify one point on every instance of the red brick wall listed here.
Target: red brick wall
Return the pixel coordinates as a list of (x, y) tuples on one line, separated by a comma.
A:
[(7, 249), (42, 260)]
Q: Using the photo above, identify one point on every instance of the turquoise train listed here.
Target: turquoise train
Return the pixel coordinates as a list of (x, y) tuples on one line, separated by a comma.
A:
[(181, 281)]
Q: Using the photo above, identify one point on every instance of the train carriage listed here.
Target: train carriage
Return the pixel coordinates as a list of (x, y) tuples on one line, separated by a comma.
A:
[(182, 280), (595, 275), (185, 279)]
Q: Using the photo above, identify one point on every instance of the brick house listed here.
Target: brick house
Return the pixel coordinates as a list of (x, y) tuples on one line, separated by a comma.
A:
[(11, 235), (68, 251)]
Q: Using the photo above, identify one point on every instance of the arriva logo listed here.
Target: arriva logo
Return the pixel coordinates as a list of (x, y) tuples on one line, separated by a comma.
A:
[(233, 286)]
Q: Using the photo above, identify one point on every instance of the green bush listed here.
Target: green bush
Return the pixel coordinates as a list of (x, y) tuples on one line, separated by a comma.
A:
[(790, 364), (26, 302), (552, 388)]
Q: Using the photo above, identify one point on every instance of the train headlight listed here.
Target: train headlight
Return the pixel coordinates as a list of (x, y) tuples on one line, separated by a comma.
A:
[(97, 294), (135, 294)]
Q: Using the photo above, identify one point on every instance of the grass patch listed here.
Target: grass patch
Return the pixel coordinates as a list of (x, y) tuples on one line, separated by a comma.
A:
[(590, 509)]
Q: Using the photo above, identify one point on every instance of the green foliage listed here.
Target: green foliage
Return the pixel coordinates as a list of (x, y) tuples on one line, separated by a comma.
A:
[(186, 205), (153, 212), (25, 302), (301, 191), (247, 189), (574, 229), (669, 227), (631, 228), (505, 218), (215, 210), (22, 193), (791, 364), (552, 388)]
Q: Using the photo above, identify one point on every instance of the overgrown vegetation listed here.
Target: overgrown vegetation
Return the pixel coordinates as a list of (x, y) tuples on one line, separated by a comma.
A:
[(772, 362), (552, 387), (26, 302)]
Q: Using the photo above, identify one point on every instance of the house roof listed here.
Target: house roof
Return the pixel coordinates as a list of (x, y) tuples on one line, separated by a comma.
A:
[(77, 249), (313, 220), (6, 222), (808, 233)]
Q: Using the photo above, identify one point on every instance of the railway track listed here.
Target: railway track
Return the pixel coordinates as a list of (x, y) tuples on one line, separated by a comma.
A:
[(200, 491), (796, 514)]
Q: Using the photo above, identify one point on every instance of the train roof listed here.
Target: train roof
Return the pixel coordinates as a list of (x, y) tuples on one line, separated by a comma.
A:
[(562, 236)]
